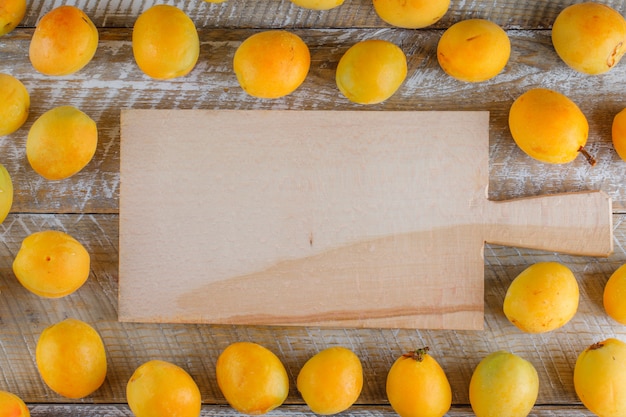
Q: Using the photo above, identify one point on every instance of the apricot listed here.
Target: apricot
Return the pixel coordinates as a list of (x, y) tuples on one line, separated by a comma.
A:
[(589, 37), (71, 358), (411, 14), (162, 389), (600, 378), (417, 386), (618, 134), (11, 14), (165, 42), (271, 64), (12, 406), (61, 142), (615, 294), (331, 380), (6, 193), (548, 126), (51, 264), (14, 104), (371, 71), (473, 50), (64, 41), (252, 378), (318, 4), (504, 385), (542, 298)]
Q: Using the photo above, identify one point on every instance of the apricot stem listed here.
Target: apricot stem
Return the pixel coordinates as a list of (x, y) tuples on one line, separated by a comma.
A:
[(597, 345), (417, 354), (587, 155)]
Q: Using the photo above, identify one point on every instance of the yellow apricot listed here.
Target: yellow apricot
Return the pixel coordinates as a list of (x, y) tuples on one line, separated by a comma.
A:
[(548, 126), (165, 42), (618, 134), (12, 406), (371, 71), (318, 4), (71, 358), (14, 104), (503, 385), (473, 50), (600, 378), (61, 142), (417, 386), (252, 378), (411, 14), (589, 37), (64, 41), (6, 193), (542, 298), (331, 380), (271, 64), (162, 389), (11, 14), (51, 264), (615, 294)]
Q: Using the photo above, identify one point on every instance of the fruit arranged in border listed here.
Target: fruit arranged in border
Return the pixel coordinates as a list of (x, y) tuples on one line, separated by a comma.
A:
[(614, 295), (417, 386), (65, 41), (618, 134), (252, 378), (165, 42), (371, 71), (549, 127), (12, 406), (411, 14), (272, 63), (14, 104), (589, 37), (6, 193), (473, 50), (11, 14)]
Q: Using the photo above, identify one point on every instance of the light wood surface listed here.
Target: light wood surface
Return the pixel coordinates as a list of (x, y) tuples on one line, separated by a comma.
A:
[(326, 218), (87, 205)]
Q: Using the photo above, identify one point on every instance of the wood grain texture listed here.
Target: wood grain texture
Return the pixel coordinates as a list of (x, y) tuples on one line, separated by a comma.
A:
[(113, 82), (87, 204)]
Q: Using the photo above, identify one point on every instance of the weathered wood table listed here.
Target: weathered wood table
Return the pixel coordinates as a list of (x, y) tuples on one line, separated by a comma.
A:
[(87, 205)]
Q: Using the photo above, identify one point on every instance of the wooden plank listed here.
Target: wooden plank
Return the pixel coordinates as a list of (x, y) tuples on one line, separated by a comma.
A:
[(112, 82), (532, 14), (196, 347)]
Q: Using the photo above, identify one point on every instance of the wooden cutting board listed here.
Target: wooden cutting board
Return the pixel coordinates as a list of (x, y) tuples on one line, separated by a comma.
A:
[(323, 218)]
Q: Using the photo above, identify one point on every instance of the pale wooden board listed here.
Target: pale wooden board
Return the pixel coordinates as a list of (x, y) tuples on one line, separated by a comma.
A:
[(364, 219)]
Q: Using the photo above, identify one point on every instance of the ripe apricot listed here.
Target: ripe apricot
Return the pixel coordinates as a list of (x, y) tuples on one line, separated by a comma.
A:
[(473, 50), (331, 380), (252, 378), (11, 14), (371, 71), (589, 37), (61, 142), (6, 193), (14, 104), (165, 42), (162, 389), (12, 406), (542, 298), (71, 358), (615, 294), (548, 126), (504, 385), (600, 377), (411, 14), (318, 4), (64, 41), (51, 264), (417, 386), (618, 133), (272, 63)]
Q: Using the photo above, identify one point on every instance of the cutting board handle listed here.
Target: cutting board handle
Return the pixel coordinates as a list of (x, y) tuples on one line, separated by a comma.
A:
[(575, 223)]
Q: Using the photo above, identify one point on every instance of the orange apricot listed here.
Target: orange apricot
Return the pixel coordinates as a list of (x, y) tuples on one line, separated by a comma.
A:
[(14, 104), (271, 64), (11, 14), (12, 406), (64, 41), (411, 14)]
